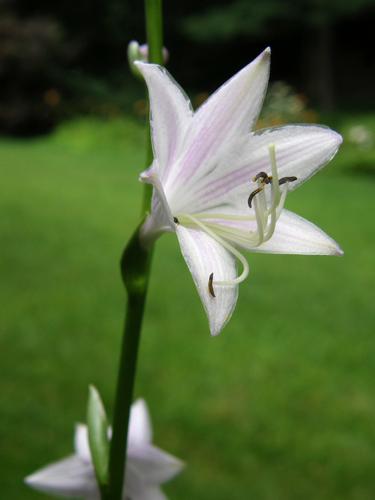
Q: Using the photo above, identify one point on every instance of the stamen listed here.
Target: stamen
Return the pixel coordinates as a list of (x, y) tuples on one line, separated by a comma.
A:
[(230, 217), (227, 246), (263, 177), (273, 212), (283, 180), (266, 217), (281, 204), (272, 153), (275, 196), (265, 214), (211, 286), (237, 236), (260, 224), (254, 193)]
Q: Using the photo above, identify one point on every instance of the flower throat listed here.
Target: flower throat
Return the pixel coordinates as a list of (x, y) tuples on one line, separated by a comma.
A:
[(265, 215)]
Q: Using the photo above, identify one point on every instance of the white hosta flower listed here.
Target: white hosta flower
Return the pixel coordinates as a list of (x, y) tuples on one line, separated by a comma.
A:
[(222, 188), (147, 466)]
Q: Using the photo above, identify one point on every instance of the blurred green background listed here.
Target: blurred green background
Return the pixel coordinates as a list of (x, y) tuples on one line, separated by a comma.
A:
[(282, 404)]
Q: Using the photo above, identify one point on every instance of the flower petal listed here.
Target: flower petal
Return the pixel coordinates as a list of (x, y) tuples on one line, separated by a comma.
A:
[(301, 150), (161, 218), (81, 443), (204, 256), (68, 477), (295, 235), (153, 465), (136, 489), (150, 493), (230, 112), (140, 429), (171, 114)]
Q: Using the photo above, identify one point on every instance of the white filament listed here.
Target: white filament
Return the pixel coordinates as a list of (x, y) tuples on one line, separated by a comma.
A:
[(265, 217), (227, 246)]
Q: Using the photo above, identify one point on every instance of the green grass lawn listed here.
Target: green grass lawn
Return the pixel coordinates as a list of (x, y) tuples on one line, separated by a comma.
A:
[(280, 406)]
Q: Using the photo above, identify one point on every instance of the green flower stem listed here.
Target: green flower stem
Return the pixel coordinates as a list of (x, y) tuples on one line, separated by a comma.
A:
[(135, 270), (154, 30), (154, 34)]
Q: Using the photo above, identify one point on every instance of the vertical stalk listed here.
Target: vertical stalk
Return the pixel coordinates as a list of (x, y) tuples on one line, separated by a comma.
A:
[(135, 270), (154, 34), (154, 30)]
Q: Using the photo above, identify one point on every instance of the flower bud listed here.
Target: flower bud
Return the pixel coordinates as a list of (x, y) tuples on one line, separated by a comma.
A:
[(138, 52)]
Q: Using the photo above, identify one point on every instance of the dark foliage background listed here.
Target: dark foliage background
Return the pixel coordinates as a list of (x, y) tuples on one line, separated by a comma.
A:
[(63, 58)]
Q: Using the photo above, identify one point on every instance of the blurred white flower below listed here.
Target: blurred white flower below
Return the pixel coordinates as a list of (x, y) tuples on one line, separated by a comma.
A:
[(147, 466)]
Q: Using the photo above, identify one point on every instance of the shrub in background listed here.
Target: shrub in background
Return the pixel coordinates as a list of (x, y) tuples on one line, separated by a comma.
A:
[(31, 58)]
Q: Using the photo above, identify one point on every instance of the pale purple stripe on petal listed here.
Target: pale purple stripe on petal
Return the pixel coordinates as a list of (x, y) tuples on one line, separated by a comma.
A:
[(228, 113), (300, 151)]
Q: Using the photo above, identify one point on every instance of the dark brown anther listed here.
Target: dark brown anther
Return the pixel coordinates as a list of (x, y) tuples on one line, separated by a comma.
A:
[(264, 179), (175, 220), (254, 193), (284, 180), (211, 285), (261, 175)]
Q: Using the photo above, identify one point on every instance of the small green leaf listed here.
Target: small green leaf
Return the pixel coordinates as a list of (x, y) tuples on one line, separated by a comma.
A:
[(98, 435)]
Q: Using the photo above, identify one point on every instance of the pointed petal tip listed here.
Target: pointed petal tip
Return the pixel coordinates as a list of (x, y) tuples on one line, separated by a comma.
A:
[(215, 328), (335, 137), (176, 465), (143, 176), (339, 252), (265, 56), (334, 249), (262, 61), (334, 140), (217, 325), (35, 480), (145, 67), (180, 465), (28, 480), (140, 427), (140, 407), (214, 332), (339, 139), (141, 402), (148, 176)]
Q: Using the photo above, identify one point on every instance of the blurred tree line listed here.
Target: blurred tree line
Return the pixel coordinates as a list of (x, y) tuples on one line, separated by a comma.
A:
[(59, 58)]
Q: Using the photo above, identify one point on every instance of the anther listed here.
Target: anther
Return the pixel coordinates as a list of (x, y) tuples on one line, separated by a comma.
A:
[(284, 180), (211, 285), (175, 220), (264, 179), (260, 175)]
